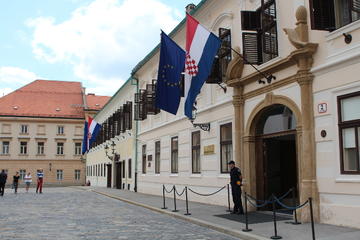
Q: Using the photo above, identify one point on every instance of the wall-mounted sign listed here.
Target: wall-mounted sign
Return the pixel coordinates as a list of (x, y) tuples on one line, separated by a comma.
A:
[(322, 107), (210, 149)]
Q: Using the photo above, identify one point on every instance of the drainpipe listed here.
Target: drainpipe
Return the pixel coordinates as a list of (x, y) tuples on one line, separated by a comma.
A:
[(136, 136)]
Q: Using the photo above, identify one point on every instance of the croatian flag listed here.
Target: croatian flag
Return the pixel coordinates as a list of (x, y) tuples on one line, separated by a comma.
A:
[(91, 130), (201, 49)]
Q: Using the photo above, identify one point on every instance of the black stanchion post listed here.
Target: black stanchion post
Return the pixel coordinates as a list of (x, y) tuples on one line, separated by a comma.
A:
[(294, 204), (274, 218), (228, 192), (247, 229), (187, 202), (174, 199), (164, 207), (312, 218)]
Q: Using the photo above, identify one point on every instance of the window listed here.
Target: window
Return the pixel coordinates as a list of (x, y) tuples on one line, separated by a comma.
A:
[(260, 45), (59, 175), (157, 157), (349, 132), (104, 170), (222, 58), (332, 14), (226, 149), (60, 130), (144, 159), (22, 173), (150, 95), (40, 148), (24, 129), (174, 155), (123, 169), (129, 168), (5, 147), (77, 174), (60, 148), (140, 105), (195, 151), (77, 148), (23, 147)]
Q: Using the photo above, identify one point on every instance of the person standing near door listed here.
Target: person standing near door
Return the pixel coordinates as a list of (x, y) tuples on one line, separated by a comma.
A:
[(40, 180), (235, 181), (3, 177), (16, 181)]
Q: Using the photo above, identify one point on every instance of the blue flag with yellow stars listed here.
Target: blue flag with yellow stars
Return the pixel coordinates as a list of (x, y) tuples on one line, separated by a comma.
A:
[(171, 64)]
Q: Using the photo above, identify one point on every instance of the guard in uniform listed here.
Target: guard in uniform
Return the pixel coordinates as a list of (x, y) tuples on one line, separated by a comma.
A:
[(235, 181)]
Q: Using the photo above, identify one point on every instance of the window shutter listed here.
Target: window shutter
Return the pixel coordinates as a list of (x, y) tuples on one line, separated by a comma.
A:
[(150, 99), (250, 20), (355, 5), (121, 120), (322, 15), (140, 105), (251, 48), (129, 109)]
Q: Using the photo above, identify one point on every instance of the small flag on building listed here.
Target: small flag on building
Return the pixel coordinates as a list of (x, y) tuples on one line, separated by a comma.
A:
[(201, 49), (91, 130), (171, 64)]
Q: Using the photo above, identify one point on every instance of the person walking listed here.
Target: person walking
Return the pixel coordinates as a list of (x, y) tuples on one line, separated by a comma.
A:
[(3, 177), (235, 181), (16, 181), (40, 181), (27, 180)]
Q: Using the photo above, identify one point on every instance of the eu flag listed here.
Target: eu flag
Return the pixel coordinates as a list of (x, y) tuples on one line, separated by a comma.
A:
[(171, 64)]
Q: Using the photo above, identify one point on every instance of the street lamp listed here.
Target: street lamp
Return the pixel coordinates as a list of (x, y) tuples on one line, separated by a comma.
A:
[(202, 126)]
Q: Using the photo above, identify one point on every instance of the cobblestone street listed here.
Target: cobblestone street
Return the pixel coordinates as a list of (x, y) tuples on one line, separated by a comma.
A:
[(67, 213)]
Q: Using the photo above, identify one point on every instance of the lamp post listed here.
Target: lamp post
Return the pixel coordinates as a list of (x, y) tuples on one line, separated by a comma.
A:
[(202, 126)]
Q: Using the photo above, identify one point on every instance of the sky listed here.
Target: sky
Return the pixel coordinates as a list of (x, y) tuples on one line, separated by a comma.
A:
[(96, 42)]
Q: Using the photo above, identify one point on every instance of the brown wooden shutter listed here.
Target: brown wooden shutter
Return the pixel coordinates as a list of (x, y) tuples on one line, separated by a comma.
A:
[(252, 48), (129, 104), (140, 105), (355, 5), (151, 108), (322, 15), (250, 20)]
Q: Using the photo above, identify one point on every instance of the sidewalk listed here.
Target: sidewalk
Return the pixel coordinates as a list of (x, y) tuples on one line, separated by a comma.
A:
[(212, 216)]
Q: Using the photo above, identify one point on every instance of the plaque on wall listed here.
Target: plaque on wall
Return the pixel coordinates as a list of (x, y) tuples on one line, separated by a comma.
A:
[(210, 149)]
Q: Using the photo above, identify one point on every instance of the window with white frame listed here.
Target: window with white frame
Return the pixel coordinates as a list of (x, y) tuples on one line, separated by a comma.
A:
[(24, 129), (77, 174), (23, 147), (22, 173), (349, 132), (59, 175), (226, 148), (174, 155), (5, 147), (78, 148), (40, 148), (60, 130), (60, 148)]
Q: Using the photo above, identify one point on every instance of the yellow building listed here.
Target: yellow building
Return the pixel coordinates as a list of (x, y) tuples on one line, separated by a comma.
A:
[(42, 128)]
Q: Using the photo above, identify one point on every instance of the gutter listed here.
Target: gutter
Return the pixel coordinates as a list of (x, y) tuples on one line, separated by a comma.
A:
[(136, 134)]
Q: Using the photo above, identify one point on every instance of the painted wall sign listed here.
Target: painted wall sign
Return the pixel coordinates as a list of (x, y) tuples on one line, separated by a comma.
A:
[(322, 107), (210, 149)]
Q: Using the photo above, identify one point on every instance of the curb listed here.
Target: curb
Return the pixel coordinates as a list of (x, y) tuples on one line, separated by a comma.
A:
[(216, 227)]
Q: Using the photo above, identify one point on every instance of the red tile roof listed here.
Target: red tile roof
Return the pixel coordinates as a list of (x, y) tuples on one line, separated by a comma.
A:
[(95, 102), (45, 98)]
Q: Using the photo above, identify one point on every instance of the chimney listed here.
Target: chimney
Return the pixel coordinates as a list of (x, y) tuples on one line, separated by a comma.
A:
[(190, 7)]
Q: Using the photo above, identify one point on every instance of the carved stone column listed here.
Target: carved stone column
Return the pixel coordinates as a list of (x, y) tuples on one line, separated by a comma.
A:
[(238, 103), (308, 183)]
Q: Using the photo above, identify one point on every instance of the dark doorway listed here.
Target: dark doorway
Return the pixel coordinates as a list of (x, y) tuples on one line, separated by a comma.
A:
[(276, 156), (108, 175), (118, 175)]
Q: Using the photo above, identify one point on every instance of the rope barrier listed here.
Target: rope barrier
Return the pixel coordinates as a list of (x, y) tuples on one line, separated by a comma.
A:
[(264, 202), (285, 195), (206, 195), (167, 190), (287, 207), (179, 194)]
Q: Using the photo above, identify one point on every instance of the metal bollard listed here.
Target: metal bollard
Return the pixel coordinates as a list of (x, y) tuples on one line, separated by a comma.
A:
[(247, 229), (294, 204), (274, 217), (187, 202), (312, 218), (228, 192), (174, 200), (164, 207)]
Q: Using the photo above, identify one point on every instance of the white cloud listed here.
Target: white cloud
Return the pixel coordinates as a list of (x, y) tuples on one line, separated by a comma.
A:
[(14, 77), (104, 39)]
